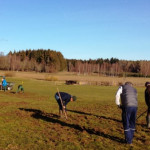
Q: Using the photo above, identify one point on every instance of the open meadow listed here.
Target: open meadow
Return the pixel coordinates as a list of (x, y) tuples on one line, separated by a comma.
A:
[(30, 121)]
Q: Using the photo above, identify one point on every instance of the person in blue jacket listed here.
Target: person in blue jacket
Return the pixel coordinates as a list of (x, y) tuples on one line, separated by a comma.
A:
[(4, 84), (66, 98)]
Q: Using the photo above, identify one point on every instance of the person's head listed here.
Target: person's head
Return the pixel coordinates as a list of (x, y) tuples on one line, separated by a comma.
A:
[(73, 98), (128, 83), (147, 84)]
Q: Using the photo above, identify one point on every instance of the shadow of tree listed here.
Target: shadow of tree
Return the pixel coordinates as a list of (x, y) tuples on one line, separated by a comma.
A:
[(49, 117), (104, 117)]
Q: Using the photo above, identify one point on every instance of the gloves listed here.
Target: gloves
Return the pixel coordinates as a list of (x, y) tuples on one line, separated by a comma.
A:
[(119, 106)]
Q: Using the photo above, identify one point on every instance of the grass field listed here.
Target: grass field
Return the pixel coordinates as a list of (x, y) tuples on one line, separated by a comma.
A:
[(30, 121)]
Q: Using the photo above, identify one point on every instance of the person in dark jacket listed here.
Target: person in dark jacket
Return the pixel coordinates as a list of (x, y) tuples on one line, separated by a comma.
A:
[(129, 105), (66, 98), (147, 101)]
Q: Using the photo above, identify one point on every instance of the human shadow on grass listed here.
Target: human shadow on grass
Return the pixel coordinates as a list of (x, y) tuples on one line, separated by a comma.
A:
[(49, 117), (13, 92), (36, 111), (89, 114)]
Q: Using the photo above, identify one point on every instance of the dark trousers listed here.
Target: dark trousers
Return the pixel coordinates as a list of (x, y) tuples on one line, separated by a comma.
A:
[(4, 87), (59, 102), (129, 119), (148, 117)]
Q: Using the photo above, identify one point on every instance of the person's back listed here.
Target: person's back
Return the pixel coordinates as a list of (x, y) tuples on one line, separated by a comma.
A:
[(147, 101), (65, 97), (129, 96)]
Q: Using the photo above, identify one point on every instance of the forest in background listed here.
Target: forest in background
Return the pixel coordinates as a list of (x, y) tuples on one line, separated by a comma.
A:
[(50, 61)]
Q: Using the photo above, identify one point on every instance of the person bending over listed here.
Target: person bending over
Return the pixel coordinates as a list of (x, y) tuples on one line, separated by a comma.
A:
[(65, 98)]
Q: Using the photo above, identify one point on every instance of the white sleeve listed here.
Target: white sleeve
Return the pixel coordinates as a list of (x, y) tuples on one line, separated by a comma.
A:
[(119, 92)]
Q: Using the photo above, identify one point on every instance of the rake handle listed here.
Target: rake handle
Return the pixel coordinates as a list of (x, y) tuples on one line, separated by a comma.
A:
[(62, 104)]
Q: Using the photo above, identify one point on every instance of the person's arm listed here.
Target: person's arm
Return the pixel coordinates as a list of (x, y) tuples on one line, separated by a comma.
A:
[(119, 92), (146, 98)]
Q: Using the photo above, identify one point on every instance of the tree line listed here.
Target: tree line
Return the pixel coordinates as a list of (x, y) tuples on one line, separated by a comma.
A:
[(49, 61), (110, 67), (39, 60)]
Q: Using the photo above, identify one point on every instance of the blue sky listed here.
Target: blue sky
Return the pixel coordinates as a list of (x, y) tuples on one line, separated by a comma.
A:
[(79, 29)]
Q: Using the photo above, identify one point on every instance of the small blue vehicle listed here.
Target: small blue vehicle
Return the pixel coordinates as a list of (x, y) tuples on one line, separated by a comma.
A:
[(9, 86)]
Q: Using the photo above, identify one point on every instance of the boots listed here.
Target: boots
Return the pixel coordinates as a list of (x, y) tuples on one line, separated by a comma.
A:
[(148, 121)]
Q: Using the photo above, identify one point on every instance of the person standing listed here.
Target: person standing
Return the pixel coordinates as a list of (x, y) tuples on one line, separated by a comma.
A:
[(66, 98), (126, 99), (147, 101), (4, 84)]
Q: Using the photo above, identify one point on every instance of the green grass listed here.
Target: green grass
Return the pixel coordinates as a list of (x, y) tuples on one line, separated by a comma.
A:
[(30, 121)]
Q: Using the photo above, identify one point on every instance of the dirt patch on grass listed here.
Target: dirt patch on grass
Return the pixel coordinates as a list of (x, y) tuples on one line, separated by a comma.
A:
[(5, 104), (25, 96)]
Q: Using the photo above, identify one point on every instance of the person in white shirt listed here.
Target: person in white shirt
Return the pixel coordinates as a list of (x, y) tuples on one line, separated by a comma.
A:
[(126, 99)]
